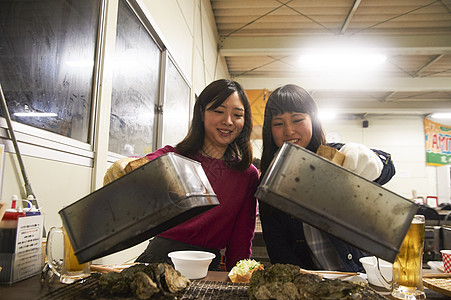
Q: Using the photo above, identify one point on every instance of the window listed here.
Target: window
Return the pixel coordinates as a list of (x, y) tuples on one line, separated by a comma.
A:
[(136, 79), (50, 58), (176, 106), (47, 52)]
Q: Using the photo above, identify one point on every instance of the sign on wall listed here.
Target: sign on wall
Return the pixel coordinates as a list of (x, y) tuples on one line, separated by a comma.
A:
[(438, 143), (257, 99)]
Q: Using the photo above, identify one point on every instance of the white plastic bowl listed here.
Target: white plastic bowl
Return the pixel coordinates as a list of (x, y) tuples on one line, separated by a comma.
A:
[(372, 272), (192, 264)]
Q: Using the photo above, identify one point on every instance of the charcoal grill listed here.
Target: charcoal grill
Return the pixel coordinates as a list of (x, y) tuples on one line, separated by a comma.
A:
[(88, 289)]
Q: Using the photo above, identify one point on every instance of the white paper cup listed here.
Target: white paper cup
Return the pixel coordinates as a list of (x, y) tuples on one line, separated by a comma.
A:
[(192, 264), (372, 271)]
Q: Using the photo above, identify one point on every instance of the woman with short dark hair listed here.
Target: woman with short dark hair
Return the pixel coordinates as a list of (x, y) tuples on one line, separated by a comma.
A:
[(291, 116)]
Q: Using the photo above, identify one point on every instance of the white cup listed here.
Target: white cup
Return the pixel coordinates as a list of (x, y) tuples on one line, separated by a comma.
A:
[(377, 275)]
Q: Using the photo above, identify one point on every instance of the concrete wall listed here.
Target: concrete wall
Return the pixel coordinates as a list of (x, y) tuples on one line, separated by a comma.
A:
[(190, 30), (402, 137)]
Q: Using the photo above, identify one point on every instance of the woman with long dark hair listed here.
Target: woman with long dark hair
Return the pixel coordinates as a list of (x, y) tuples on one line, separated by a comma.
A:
[(218, 138)]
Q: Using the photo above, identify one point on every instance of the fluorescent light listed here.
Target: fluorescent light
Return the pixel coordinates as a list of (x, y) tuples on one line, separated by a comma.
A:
[(327, 115), (35, 114), (441, 115), (340, 58)]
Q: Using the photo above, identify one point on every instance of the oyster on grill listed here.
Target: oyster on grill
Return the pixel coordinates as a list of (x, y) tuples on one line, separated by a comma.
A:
[(142, 286), (283, 281), (331, 289), (145, 281), (174, 281), (114, 283), (278, 291)]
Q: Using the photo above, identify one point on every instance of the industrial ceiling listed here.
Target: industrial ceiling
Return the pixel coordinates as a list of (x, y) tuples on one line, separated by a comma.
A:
[(262, 40)]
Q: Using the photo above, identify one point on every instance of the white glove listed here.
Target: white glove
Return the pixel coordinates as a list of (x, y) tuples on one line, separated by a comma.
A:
[(117, 169), (362, 161)]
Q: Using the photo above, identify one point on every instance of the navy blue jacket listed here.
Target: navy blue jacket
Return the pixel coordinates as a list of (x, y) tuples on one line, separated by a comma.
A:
[(284, 234)]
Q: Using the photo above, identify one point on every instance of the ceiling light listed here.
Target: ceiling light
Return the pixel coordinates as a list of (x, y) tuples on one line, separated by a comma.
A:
[(327, 115), (441, 116), (341, 58), (34, 114)]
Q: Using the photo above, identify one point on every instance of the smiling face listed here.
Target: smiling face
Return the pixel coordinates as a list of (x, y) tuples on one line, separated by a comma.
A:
[(292, 127), (223, 124)]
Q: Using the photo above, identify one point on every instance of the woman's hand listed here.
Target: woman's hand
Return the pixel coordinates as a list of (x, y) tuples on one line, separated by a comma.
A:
[(362, 161)]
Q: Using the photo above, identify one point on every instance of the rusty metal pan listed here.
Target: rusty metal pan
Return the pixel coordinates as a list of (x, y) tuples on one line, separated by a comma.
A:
[(337, 201), (141, 204)]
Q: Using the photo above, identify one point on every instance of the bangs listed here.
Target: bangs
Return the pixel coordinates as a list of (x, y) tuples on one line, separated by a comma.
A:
[(215, 102), (222, 96), (289, 102)]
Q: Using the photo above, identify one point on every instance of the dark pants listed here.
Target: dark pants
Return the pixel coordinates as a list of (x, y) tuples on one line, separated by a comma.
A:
[(158, 249)]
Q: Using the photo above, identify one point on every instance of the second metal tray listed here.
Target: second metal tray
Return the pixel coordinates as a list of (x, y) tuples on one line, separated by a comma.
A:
[(337, 201)]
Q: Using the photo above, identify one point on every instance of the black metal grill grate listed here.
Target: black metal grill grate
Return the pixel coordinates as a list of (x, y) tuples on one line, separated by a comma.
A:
[(216, 290), (81, 289), (87, 289), (370, 294)]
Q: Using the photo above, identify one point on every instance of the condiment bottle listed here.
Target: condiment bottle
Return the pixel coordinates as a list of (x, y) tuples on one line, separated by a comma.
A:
[(8, 227), (31, 210), (14, 199)]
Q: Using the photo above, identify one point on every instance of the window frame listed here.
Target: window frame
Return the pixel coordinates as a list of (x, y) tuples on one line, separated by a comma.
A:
[(40, 143), (36, 142)]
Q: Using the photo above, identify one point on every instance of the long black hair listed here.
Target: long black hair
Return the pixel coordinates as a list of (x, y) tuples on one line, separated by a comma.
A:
[(289, 98), (238, 154)]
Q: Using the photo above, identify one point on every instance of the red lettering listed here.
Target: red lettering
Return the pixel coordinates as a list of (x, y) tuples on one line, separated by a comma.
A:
[(443, 146), (434, 142)]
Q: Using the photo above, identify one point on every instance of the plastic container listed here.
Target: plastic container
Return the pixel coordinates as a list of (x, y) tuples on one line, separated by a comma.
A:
[(192, 264), (31, 210), (10, 217), (8, 230), (14, 200), (377, 273), (25, 232)]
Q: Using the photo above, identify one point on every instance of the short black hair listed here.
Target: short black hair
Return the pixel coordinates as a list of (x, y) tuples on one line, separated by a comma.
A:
[(289, 98)]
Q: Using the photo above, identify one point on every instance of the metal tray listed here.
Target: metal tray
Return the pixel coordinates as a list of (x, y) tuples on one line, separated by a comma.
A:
[(337, 201), (141, 204)]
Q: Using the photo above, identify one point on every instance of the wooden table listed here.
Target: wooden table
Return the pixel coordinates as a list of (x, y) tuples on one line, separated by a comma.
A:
[(31, 288)]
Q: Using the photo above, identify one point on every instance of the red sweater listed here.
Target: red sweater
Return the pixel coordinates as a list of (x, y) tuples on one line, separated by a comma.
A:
[(231, 224)]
